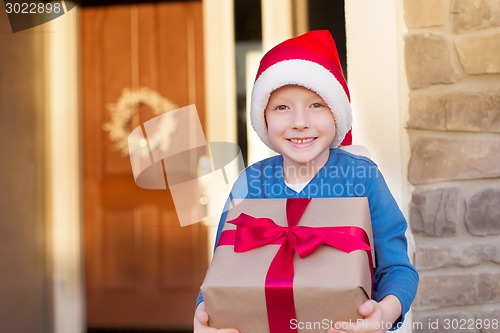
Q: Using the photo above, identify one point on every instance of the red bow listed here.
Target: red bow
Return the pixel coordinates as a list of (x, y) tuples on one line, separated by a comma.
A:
[(252, 232)]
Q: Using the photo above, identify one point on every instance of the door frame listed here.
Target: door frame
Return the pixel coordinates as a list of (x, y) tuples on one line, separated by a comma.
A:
[(63, 142), (63, 165)]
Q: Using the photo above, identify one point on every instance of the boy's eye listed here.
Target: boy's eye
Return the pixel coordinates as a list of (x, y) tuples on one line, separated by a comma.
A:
[(316, 105), (281, 107)]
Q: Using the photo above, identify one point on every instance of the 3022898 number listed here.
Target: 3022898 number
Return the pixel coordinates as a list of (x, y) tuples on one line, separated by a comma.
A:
[(33, 8), (470, 324)]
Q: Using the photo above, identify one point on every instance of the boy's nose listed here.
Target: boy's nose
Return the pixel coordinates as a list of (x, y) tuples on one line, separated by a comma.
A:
[(300, 119)]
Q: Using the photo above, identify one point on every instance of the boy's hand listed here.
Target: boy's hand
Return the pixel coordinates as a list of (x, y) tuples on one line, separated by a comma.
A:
[(378, 317), (200, 323)]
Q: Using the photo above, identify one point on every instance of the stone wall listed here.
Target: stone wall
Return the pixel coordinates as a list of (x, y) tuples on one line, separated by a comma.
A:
[(452, 57)]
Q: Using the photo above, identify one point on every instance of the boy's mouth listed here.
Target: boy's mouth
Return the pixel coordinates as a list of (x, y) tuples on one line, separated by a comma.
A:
[(300, 141)]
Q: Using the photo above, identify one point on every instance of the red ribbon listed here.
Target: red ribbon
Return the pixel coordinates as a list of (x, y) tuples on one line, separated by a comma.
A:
[(252, 232)]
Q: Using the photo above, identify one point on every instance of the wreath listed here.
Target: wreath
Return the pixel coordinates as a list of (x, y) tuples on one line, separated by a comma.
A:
[(124, 109)]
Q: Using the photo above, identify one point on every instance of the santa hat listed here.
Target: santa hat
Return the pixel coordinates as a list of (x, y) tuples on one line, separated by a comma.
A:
[(312, 61)]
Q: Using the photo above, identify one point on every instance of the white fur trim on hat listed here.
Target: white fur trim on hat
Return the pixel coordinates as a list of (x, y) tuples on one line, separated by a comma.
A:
[(307, 74)]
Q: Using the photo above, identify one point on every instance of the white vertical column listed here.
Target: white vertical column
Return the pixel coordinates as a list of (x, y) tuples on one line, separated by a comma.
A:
[(220, 84), (379, 92), (63, 177), (374, 74), (277, 22), (277, 26), (220, 72)]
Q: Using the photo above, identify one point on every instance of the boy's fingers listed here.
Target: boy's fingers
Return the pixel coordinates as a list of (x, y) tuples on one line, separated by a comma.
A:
[(202, 317), (367, 308), (201, 322), (200, 314), (202, 325)]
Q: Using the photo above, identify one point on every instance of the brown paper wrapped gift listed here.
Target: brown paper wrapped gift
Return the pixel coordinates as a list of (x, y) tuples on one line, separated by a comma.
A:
[(328, 285)]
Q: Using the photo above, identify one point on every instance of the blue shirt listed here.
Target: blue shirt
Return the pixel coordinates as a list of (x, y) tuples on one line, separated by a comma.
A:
[(346, 175)]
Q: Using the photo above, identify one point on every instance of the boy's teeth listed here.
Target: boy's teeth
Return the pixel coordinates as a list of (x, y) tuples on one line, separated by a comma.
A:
[(299, 141)]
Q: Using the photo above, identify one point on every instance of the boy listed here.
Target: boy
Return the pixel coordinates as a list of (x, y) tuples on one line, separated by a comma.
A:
[(300, 108)]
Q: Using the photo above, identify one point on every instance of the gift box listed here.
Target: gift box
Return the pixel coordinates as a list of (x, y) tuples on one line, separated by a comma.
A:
[(290, 265)]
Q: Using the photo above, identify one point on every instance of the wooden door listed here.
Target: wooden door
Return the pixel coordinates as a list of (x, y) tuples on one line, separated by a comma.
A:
[(142, 269)]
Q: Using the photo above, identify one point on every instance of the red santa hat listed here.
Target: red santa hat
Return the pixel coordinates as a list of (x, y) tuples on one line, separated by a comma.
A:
[(312, 61)]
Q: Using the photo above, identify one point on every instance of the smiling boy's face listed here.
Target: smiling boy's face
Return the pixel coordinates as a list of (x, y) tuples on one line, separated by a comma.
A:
[(300, 125)]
